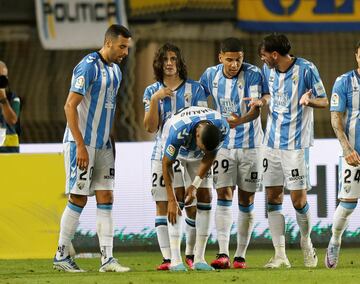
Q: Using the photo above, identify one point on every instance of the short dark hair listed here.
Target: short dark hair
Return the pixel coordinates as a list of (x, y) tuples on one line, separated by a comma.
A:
[(231, 44), (210, 137), (116, 30), (276, 42), (158, 63)]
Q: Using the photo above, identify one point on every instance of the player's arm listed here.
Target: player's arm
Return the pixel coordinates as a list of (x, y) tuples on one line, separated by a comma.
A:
[(204, 167), (152, 119), (173, 207), (350, 155), (308, 100), (7, 111), (72, 118)]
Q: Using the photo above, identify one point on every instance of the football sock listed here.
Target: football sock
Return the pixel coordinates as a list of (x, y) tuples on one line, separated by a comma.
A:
[(223, 222), (190, 231), (105, 230), (277, 228), (162, 233), (68, 224), (341, 220), (202, 230), (175, 235), (245, 228)]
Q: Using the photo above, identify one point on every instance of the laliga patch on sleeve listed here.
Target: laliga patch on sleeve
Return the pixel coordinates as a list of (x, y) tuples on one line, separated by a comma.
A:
[(319, 87), (79, 83), (170, 150), (334, 100), (254, 92)]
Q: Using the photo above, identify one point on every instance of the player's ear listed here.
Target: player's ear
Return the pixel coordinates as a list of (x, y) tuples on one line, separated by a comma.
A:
[(220, 57)]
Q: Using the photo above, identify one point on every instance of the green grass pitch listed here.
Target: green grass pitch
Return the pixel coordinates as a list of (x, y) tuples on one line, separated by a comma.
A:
[(143, 264)]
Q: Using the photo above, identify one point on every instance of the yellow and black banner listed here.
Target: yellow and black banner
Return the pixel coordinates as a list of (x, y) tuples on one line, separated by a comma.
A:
[(299, 15)]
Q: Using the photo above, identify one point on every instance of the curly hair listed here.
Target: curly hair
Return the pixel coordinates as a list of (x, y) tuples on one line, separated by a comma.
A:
[(158, 63)]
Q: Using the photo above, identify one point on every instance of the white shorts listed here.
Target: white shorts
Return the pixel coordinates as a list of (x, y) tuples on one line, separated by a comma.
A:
[(349, 180), (98, 176), (241, 167), (191, 170), (288, 168), (158, 189)]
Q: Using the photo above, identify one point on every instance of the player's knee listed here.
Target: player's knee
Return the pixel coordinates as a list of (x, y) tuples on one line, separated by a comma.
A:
[(79, 200)]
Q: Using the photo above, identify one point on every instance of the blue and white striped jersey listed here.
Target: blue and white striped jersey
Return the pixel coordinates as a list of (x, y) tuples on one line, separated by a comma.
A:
[(290, 125), (346, 98), (178, 136), (190, 93), (99, 83), (228, 96)]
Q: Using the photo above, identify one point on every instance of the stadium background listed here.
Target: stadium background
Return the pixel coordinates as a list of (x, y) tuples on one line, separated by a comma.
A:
[(41, 77)]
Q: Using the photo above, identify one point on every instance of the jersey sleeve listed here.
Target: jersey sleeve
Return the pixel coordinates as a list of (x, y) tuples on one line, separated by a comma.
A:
[(314, 82), (171, 144), (265, 75), (339, 95), (83, 75), (255, 85), (205, 82), (199, 99)]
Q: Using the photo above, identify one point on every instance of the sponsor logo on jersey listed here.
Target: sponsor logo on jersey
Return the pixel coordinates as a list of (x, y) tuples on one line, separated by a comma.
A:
[(334, 100), (80, 82), (253, 178), (170, 150)]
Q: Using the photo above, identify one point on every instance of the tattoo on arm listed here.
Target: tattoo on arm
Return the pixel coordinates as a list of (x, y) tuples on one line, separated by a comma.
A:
[(337, 125)]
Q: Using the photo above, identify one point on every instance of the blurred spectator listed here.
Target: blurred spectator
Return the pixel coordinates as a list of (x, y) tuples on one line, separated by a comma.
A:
[(9, 113)]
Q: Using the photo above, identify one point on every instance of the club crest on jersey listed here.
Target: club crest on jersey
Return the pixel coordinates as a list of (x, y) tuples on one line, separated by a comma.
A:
[(80, 82), (170, 150), (334, 100), (295, 79), (187, 97)]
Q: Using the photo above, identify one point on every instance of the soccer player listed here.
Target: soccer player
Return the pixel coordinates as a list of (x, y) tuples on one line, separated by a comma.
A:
[(294, 88), (171, 92), (194, 133), (345, 120), (238, 162), (88, 149)]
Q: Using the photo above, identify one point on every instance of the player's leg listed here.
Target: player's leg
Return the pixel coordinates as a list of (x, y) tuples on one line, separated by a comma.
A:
[(245, 226), (190, 226), (159, 195), (103, 184), (273, 180), (297, 181), (77, 187), (225, 174), (349, 192), (249, 181)]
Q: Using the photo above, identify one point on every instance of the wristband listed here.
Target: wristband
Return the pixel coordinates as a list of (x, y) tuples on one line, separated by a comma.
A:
[(197, 182)]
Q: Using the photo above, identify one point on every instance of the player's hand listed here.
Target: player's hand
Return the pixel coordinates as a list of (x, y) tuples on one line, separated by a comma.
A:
[(233, 120), (305, 98), (163, 93), (173, 211), (353, 158), (190, 195), (82, 157), (254, 102)]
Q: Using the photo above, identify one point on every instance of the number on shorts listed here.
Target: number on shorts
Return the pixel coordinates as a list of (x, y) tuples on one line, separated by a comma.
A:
[(155, 177), (83, 174), (216, 164), (224, 165), (265, 164), (357, 176), (177, 166), (347, 176)]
